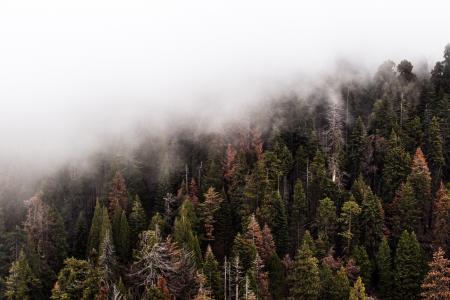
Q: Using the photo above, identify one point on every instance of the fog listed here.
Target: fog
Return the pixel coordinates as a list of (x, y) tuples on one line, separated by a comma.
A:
[(76, 74)]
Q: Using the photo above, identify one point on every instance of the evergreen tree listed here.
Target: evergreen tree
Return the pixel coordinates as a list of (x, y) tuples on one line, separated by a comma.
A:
[(256, 186), (327, 280), (356, 150), (350, 210), (382, 119), (363, 262), (298, 215), (408, 209), (276, 277), (96, 224), (396, 167), (137, 220), (274, 214), (107, 265), (118, 193), (245, 250), (183, 232), (76, 280), (105, 229), (320, 184), (371, 219), (408, 267), (441, 219), (341, 284), (420, 180), (326, 222), (212, 273), (358, 291), (121, 236), (435, 151), (81, 232), (209, 208), (305, 277), (21, 282), (437, 282), (384, 270)]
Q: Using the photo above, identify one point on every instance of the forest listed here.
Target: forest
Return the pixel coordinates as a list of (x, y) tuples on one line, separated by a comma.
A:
[(312, 198)]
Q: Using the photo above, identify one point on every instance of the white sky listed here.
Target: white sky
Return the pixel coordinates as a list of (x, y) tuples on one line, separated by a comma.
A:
[(72, 72)]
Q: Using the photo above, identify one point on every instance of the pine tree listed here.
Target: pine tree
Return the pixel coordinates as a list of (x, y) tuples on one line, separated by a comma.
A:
[(408, 209), (441, 219), (105, 228), (274, 214), (107, 265), (350, 210), (358, 291), (327, 283), (212, 273), (356, 150), (384, 270), (363, 262), (298, 215), (435, 151), (118, 193), (81, 232), (209, 208), (268, 248), (277, 280), (122, 239), (76, 280), (305, 277), (21, 283), (326, 222), (96, 224), (408, 267), (183, 232), (256, 186), (420, 180), (137, 221), (437, 282), (396, 167), (319, 183), (341, 284), (245, 250), (371, 219)]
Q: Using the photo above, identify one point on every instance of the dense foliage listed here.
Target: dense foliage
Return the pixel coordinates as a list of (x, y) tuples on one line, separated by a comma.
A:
[(312, 199)]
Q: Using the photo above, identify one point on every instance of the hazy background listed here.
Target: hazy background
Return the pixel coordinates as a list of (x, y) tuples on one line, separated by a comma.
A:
[(74, 74)]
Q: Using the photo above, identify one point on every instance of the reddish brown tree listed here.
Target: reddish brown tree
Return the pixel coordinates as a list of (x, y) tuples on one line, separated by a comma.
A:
[(441, 219), (118, 194), (229, 163), (436, 285)]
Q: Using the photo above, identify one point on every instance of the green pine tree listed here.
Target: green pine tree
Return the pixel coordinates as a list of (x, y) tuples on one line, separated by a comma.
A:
[(96, 224), (384, 270), (81, 232), (305, 277), (363, 262), (358, 291), (137, 221), (183, 231), (212, 273), (298, 215), (408, 272), (396, 167), (21, 283), (435, 152), (356, 150), (76, 280)]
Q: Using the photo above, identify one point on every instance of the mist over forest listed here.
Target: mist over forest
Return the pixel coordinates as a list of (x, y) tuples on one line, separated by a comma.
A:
[(198, 150)]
